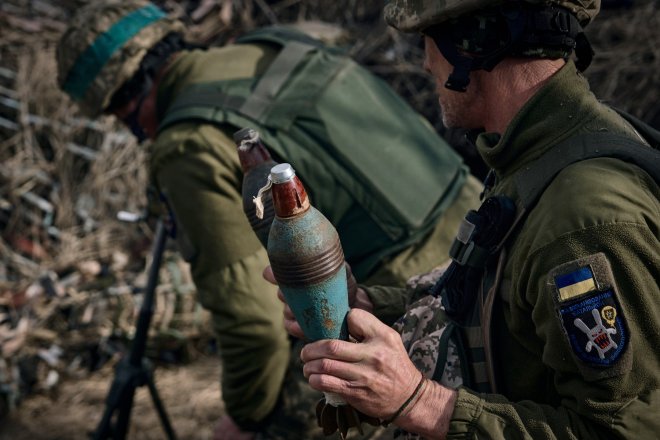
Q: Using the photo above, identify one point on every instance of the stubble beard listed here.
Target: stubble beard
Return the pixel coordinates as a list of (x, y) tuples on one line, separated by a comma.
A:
[(451, 111), (460, 109)]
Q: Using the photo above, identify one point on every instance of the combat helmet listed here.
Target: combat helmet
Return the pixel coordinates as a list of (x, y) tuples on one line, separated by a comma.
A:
[(416, 15), (104, 46), (478, 34)]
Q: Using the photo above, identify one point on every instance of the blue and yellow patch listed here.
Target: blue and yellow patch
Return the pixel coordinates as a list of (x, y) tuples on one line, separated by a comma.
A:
[(575, 283), (590, 314)]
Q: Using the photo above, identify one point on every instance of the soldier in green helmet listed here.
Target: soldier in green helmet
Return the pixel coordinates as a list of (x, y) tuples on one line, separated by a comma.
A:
[(546, 322), (347, 135)]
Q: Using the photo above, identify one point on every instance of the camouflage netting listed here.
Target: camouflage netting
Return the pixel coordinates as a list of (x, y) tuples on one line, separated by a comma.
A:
[(69, 271)]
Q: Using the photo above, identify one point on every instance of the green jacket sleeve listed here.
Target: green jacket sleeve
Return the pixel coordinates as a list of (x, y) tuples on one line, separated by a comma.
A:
[(197, 169), (626, 405), (389, 302), (392, 302), (620, 400)]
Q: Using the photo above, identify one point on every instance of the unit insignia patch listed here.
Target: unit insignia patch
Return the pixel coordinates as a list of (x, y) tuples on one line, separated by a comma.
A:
[(590, 314)]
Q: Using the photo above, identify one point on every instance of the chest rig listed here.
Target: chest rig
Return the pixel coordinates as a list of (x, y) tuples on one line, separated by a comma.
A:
[(469, 287)]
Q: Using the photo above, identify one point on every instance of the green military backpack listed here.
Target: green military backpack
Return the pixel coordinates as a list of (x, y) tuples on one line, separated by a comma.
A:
[(299, 108)]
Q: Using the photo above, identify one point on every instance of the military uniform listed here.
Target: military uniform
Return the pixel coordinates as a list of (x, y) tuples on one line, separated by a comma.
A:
[(575, 325), (295, 93), (196, 166)]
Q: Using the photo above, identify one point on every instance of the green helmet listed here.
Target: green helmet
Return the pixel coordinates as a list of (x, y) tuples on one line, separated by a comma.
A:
[(103, 48), (416, 15)]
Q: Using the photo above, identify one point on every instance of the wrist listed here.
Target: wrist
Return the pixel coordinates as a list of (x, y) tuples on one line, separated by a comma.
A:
[(408, 403), (430, 414)]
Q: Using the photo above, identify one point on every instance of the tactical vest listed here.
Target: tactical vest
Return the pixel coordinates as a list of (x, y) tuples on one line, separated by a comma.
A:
[(472, 331), (298, 106)]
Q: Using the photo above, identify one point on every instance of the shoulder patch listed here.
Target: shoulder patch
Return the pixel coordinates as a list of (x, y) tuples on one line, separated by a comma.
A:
[(585, 297)]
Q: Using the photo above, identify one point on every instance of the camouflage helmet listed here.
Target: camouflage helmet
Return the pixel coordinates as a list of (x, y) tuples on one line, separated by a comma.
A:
[(416, 15), (103, 48)]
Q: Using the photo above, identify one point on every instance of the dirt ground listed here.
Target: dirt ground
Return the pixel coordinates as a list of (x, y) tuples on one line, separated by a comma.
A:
[(191, 395)]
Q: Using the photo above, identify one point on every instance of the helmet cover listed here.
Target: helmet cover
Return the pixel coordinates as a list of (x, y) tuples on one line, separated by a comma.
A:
[(416, 15), (103, 48)]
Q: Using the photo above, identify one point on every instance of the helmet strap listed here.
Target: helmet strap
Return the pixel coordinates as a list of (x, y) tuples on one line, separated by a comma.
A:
[(583, 52)]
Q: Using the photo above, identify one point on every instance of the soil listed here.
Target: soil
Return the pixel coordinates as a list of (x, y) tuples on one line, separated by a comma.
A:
[(190, 393)]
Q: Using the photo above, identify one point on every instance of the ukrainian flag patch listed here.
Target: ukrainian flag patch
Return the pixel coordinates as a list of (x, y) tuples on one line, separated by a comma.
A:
[(575, 283), (591, 316)]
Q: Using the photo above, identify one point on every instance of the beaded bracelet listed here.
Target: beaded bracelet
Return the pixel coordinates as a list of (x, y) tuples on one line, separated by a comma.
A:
[(405, 404)]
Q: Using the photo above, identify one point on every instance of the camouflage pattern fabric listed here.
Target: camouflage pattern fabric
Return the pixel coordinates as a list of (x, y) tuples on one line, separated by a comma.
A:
[(93, 21), (415, 15), (421, 329), (418, 286)]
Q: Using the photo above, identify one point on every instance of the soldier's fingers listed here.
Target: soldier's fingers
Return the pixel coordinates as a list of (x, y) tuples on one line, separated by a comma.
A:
[(332, 349), (280, 295), (293, 328), (290, 323), (325, 382), (288, 313), (268, 275), (363, 326), (332, 367)]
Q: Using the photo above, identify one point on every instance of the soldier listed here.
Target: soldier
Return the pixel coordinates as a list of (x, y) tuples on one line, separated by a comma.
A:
[(547, 322), (127, 58)]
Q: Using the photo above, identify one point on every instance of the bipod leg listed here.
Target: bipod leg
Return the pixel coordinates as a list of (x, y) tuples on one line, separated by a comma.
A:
[(160, 408), (119, 402), (133, 370)]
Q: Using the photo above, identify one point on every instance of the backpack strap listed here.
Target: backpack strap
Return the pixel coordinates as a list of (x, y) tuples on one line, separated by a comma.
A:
[(204, 101), (278, 35), (274, 78), (532, 181), (295, 45), (650, 134), (258, 99)]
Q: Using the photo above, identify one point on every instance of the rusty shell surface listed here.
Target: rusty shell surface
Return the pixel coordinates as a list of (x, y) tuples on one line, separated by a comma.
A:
[(308, 263), (304, 249), (290, 198)]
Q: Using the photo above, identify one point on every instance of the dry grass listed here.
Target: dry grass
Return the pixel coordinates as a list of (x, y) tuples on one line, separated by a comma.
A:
[(86, 194)]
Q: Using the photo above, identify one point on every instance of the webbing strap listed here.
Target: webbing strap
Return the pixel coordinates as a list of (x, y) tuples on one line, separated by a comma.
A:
[(206, 97), (650, 134), (532, 181), (274, 78), (200, 102), (443, 351), (473, 375)]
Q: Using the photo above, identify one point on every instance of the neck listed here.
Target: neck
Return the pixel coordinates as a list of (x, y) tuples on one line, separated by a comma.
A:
[(510, 85), (148, 114)]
